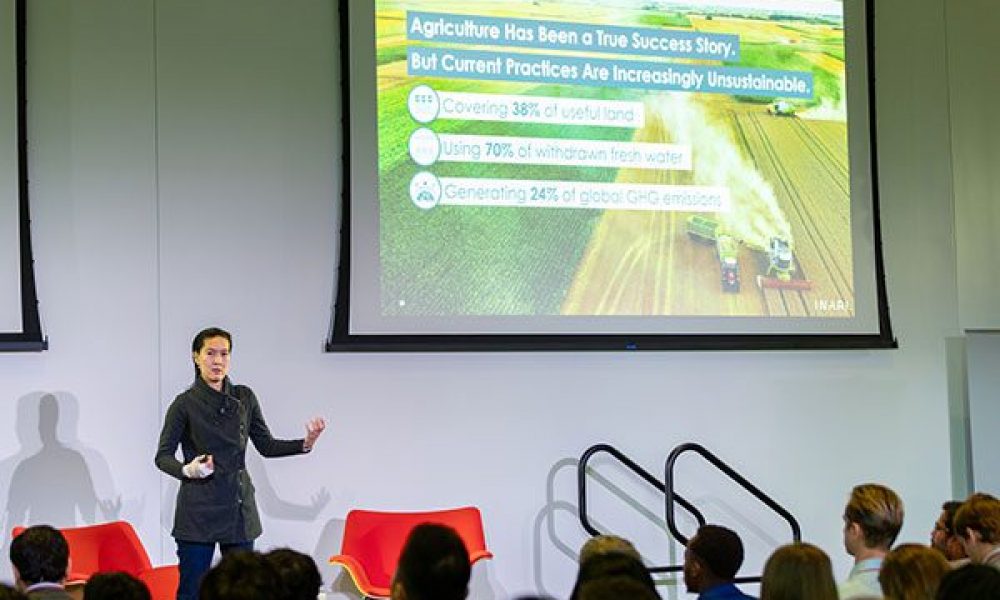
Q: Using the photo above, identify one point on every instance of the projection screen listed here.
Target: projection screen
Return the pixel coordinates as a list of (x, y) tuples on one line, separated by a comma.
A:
[(636, 174), (19, 323)]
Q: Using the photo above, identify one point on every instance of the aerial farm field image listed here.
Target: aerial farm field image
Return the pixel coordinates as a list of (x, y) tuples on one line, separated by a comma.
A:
[(613, 158)]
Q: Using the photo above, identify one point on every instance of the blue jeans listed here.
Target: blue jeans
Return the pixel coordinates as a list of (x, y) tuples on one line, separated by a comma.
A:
[(195, 559)]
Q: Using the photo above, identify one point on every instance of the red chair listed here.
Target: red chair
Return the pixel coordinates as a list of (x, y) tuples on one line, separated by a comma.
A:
[(115, 547), (373, 541)]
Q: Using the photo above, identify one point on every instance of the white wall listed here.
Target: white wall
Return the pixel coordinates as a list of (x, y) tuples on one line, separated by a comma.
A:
[(92, 150), (975, 156), (184, 173)]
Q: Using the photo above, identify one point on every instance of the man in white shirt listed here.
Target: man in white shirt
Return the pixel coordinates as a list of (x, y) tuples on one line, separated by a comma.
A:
[(872, 520)]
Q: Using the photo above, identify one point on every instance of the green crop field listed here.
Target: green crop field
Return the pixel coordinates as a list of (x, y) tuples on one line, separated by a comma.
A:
[(390, 54), (834, 50), (481, 260), (665, 20), (826, 85)]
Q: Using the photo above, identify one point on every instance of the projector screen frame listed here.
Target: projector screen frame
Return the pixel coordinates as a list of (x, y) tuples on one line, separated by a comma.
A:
[(341, 339), (30, 339)]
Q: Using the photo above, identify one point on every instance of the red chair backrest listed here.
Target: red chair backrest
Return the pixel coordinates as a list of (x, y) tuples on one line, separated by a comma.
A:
[(104, 547), (376, 538)]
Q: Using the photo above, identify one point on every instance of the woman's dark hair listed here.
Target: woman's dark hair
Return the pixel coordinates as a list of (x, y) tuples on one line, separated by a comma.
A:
[(115, 585), (615, 564), (241, 576), (798, 571), (616, 588), (300, 579), (912, 572), (971, 582), (199, 341), (434, 564)]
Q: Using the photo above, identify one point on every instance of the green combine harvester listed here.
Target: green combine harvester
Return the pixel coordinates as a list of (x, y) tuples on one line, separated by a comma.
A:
[(702, 229), (780, 260), (781, 108), (728, 250), (707, 231)]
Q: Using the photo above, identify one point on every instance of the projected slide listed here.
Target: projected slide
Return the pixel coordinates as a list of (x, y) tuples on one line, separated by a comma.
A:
[(602, 174), (613, 158)]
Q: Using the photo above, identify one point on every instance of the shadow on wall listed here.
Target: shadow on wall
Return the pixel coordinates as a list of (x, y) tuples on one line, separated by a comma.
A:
[(54, 478), (276, 507), (546, 530)]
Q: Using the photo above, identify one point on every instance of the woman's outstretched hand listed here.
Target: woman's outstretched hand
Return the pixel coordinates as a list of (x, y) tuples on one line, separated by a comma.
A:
[(314, 427)]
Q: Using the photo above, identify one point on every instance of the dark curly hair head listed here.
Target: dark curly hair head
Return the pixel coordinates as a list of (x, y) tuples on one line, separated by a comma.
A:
[(241, 576), (434, 564), (40, 554), (115, 585), (299, 576)]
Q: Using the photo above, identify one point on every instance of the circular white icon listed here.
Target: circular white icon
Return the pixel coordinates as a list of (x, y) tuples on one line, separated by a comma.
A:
[(425, 190), (423, 103), (424, 147)]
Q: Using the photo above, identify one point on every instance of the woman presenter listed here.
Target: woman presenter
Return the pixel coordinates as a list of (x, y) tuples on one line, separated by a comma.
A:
[(212, 421)]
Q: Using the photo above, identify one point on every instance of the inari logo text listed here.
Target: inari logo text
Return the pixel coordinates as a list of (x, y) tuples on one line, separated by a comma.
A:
[(831, 305)]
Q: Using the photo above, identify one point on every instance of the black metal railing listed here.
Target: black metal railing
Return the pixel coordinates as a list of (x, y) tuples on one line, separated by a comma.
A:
[(581, 478), (670, 495), (672, 499)]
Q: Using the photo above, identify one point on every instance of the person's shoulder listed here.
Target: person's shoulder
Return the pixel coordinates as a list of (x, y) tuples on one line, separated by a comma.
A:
[(182, 399), (726, 591), (51, 594), (857, 588), (189, 394), (243, 392)]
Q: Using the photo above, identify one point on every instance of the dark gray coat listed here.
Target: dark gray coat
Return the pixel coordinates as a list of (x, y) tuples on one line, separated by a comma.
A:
[(220, 508)]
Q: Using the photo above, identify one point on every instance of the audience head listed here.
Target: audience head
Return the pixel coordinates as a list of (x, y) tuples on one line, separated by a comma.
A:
[(300, 579), (607, 544), (611, 565), (798, 571), (616, 588), (115, 586), (943, 537), (872, 519), (980, 496), (434, 565), (971, 582), (39, 554), (977, 523), (713, 556), (912, 572), (9, 593), (241, 576)]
